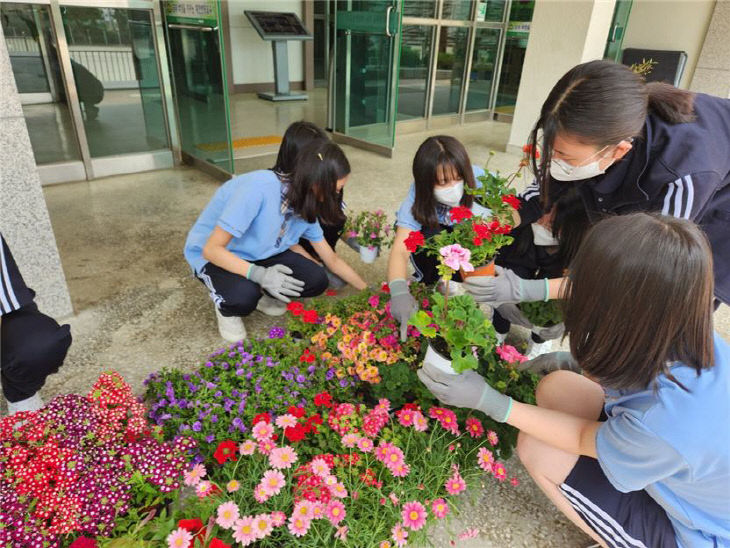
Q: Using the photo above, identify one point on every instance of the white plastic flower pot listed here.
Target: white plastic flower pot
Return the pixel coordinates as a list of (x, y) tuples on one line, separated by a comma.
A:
[(435, 360), (368, 254)]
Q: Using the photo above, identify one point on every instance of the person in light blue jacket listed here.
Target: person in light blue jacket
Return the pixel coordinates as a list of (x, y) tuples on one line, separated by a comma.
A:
[(635, 451)]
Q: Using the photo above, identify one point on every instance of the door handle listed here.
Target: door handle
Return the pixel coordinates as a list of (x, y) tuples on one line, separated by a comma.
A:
[(191, 27), (387, 21)]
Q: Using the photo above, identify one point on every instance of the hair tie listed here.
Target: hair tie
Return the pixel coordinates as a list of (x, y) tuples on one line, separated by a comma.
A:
[(320, 156)]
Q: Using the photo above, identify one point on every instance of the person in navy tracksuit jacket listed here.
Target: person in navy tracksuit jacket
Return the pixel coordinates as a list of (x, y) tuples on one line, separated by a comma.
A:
[(627, 146), (32, 345)]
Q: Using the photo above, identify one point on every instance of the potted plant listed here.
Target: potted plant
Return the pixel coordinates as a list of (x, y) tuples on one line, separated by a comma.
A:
[(372, 231)]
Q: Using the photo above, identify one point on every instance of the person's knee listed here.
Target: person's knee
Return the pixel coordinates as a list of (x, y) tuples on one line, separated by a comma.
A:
[(315, 282), (243, 302), (35, 359), (526, 451), (550, 390)]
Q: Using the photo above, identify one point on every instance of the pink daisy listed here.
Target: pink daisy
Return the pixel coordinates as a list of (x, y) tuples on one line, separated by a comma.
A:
[(474, 427), (469, 533), (365, 445), (393, 457), (400, 471), (261, 494), (455, 484), (266, 446), (381, 453), (179, 538), (440, 508), (492, 438), (303, 509), (282, 457), (341, 533), (335, 511), (384, 544), (228, 514), (350, 440), (262, 525), (400, 535), (338, 490), (485, 458), (499, 471), (299, 526), (414, 515), (383, 404), (233, 486), (273, 481), (405, 417), (419, 422), (243, 531), (262, 431), (278, 518), (203, 489), (320, 467), (247, 447), (330, 480), (394, 498), (318, 510), (286, 421), (194, 476)]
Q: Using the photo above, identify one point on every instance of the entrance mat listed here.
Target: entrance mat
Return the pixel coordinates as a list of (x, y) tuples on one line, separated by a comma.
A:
[(243, 142)]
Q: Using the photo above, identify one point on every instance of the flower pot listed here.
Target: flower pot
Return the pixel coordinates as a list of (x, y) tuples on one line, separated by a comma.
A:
[(484, 270), (437, 361), (368, 254)]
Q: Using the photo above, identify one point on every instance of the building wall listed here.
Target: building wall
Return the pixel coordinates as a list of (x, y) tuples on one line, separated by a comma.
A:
[(251, 57), (678, 25), (712, 74), (24, 219)]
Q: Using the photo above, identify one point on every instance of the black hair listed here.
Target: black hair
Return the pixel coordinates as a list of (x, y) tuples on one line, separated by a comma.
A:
[(312, 193), (296, 137), (602, 103), (438, 153)]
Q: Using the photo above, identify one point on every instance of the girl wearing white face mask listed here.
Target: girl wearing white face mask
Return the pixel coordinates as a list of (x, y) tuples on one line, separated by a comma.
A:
[(441, 173), (629, 146)]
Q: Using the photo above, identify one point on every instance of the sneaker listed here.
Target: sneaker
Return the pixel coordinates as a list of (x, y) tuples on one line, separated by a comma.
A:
[(335, 281), (231, 328), (271, 306), (34, 403), (501, 337), (536, 349)]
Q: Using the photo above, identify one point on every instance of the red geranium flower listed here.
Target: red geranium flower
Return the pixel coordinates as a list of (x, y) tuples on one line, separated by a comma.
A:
[(310, 316), (298, 412), (218, 543), (84, 542), (385, 287), (330, 292), (414, 240), (482, 231), (226, 450), (531, 151), (307, 357), (262, 417), (323, 399), (460, 213), (195, 527), (512, 201), (295, 433), (295, 307)]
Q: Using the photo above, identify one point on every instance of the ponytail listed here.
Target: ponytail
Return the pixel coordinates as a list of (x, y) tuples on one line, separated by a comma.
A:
[(673, 105)]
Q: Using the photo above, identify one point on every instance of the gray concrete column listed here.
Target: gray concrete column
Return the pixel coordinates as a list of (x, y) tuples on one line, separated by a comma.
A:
[(563, 33), (712, 73), (24, 217)]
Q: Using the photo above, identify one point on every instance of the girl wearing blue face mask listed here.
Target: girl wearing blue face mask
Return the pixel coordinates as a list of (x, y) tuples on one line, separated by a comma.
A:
[(628, 146), (441, 171)]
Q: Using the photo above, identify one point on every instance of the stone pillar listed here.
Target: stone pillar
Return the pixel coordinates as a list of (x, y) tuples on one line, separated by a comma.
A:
[(712, 73), (24, 217), (562, 34)]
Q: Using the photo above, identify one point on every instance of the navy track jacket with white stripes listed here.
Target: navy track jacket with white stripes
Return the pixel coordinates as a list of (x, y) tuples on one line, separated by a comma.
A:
[(14, 294), (681, 170)]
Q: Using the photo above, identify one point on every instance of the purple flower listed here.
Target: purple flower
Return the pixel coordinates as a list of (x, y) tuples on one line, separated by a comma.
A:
[(209, 438), (214, 419), (311, 369), (197, 427), (276, 333), (238, 423), (330, 374), (343, 383), (301, 379), (240, 372)]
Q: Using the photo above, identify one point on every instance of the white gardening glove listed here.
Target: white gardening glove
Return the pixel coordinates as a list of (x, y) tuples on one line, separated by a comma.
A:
[(276, 280)]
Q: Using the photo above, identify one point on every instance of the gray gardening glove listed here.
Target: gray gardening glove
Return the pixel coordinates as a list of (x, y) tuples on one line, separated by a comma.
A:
[(506, 287), (552, 361), (514, 315), (550, 333), (402, 304), (468, 390), (276, 280)]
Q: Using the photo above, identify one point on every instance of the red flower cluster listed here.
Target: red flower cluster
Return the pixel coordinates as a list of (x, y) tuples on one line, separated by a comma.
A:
[(84, 542), (531, 151), (511, 200), (309, 486), (297, 309), (323, 399), (368, 478), (414, 240), (262, 417), (225, 451), (304, 426), (460, 213), (307, 356), (196, 528)]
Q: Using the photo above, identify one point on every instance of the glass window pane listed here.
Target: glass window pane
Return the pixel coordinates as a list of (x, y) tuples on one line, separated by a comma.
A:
[(415, 58), (114, 65), (482, 69), (457, 9), (449, 70), (521, 10), (509, 80), (34, 60), (419, 8), (490, 10)]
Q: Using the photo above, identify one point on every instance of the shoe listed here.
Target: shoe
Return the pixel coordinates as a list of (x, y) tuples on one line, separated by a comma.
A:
[(501, 337), (455, 288), (335, 281), (231, 328), (271, 306), (536, 349), (34, 403)]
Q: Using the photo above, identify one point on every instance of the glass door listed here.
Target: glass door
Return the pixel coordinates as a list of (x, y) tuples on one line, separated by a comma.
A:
[(199, 84), (618, 28), (367, 46)]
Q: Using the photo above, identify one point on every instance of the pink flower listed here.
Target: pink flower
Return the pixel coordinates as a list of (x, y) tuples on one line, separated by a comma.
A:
[(405, 417), (265, 447), (299, 526), (492, 438), (365, 445), (341, 533), (352, 234), (194, 476), (384, 544), (233, 486), (318, 510), (338, 490), (203, 489), (474, 427), (374, 301), (273, 481), (381, 453), (320, 467), (262, 525), (510, 354), (243, 531), (262, 431), (394, 498), (247, 447), (282, 457), (485, 459), (335, 511), (400, 471), (414, 515), (278, 518), (330, 480), (469, 533), (455, 484), (286, 421), (383, 405), (400, 535), (261, 494), (393, 457), (179, 538), (440, 508), (456, 257), (419, 422), (303, 509), (350, 440), (227, 515), (499, 471)]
